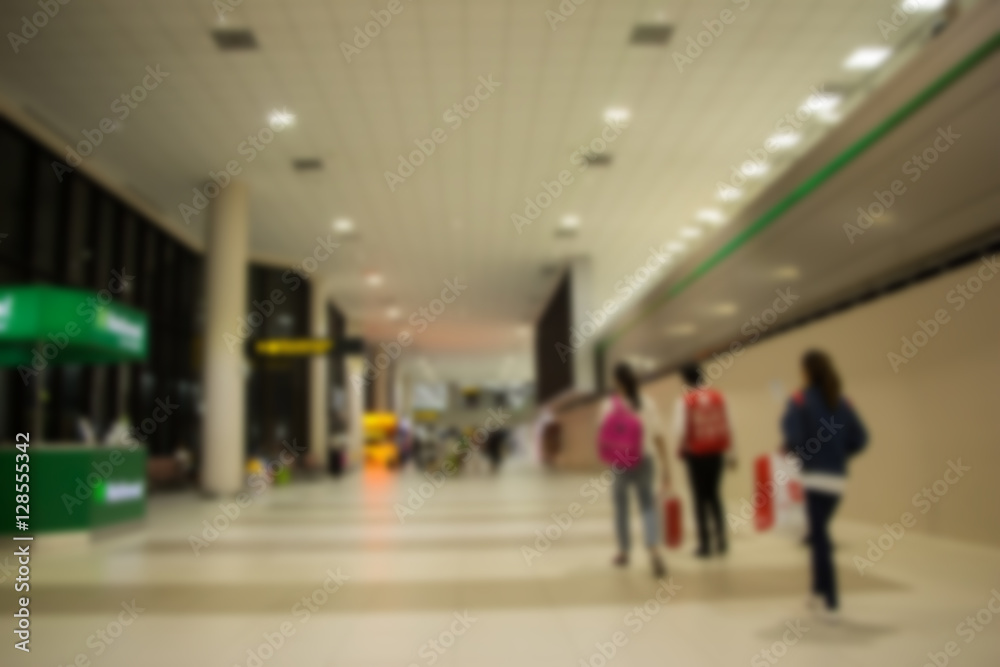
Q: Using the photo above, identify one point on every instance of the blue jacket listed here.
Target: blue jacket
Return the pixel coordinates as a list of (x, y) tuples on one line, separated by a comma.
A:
[(823, 439)]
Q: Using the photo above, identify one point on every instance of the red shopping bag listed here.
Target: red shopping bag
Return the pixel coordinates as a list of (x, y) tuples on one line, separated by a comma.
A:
[(673, 529)]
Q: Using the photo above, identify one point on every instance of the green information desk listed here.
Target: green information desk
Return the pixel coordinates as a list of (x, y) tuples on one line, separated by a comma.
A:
[(74, 487)]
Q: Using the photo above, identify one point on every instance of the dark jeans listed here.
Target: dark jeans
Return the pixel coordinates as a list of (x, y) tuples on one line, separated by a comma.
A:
[(819, 509), (706, 475)]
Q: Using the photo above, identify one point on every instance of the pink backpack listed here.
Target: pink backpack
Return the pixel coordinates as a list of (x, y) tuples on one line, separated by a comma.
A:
[(620, 438)]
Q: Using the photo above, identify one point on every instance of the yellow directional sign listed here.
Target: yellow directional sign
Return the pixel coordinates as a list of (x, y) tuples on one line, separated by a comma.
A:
[(292, 347)]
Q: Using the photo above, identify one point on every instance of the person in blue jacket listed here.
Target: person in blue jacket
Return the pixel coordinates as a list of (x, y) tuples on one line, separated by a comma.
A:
[(823, 431)]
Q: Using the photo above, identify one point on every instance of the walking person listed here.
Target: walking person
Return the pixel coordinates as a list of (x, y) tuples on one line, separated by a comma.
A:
[(823, 431), (631, 441), (701, 427)]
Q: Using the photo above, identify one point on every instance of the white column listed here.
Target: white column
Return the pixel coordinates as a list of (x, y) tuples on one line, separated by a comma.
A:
[(224, 419), (355, 409), (319, 390)]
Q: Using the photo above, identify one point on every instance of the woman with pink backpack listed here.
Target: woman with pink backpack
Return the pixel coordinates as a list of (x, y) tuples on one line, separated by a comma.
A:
[(631, 441)]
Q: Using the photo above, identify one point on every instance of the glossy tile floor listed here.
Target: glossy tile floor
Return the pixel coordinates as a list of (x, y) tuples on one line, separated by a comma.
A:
[(326, 573)]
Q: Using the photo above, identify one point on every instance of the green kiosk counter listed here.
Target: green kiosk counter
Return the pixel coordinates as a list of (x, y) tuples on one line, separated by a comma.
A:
[(75, 487), (72, 486)]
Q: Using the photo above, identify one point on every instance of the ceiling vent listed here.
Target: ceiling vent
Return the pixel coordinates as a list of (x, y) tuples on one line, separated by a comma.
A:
[(598, 159), (307, 164), (235, 39), (651, 34)]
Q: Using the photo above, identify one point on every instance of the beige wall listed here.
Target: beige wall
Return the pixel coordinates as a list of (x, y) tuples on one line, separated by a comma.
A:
[(941, 406)]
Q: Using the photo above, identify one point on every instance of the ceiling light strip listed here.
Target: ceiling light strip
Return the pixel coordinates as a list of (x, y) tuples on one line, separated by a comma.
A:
[(811, 184)]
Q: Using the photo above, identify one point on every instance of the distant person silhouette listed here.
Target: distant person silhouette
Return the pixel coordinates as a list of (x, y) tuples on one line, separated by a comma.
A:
[(702, 430), (823, 431), (627, 406)]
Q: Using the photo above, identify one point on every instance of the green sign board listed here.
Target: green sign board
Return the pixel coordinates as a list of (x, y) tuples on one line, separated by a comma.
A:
[(41, 325)]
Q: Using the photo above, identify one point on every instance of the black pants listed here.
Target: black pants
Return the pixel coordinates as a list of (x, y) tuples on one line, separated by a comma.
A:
[(706, 474), (819, 509)]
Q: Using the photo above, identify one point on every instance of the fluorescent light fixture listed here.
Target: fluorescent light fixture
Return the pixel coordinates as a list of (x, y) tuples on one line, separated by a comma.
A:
[(913, 6), (343, 226), (754, 169), (281, 119), (570, 221), (867, 57), (713, 216), (690, 232), (685, 329), (728, 193), (820, 102), (617, 115), (393, 312), (725, 309), (781, 141), (374, 279)]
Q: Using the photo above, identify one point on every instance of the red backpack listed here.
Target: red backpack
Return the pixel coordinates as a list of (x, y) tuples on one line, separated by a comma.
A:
[(706, 428), (620, 438)]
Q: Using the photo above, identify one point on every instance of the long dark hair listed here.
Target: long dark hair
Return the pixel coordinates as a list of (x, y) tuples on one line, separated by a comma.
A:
[(821, 374), (627, 380)]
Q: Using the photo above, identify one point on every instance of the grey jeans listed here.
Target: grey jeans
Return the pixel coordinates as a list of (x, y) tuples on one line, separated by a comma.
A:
[(640, 476)]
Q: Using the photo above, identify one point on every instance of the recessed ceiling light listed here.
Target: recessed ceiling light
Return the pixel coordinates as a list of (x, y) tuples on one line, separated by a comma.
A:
[(820, 102), (374, 279), (788, 272), (617, 115), (343, 226), (781, 141), (690, 232), (710, 215), (867, 57), (280, 119), (728, 193), (685, 329), (754, 169), (911, 6), (675, 246), (725, 309), (393, 312), (570, 221)]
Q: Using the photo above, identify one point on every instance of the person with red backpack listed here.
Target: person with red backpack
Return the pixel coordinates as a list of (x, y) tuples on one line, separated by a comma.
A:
[(701, 427), (630, 440)]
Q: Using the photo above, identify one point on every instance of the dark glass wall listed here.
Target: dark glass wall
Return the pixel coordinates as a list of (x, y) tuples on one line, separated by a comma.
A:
[(63, 229), (553, 353)]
